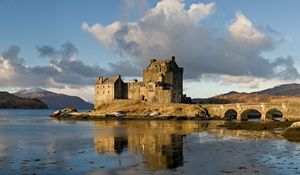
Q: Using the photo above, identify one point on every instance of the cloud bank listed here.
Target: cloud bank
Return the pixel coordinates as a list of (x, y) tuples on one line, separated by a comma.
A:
[(171, 28), (64, 68)]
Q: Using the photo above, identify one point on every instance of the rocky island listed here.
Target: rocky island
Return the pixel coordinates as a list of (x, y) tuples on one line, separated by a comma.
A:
[(158, 96), (130, 109)]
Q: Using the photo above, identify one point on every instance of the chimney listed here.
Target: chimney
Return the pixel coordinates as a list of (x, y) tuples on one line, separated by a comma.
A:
[(152, 60), (101, 78), (173, 58)]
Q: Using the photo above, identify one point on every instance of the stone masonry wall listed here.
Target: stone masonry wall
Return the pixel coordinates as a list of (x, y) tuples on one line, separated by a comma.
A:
[(104, 92)]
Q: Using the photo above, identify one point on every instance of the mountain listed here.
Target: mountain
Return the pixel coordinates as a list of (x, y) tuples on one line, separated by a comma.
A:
[(54, 100), (235, 97), (283, 93), (8, 100), (283, 90)]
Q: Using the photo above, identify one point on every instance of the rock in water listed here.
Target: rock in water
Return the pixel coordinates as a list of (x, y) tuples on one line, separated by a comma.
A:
[(154, 114), (63, 112), (292, 133), (116, 114)]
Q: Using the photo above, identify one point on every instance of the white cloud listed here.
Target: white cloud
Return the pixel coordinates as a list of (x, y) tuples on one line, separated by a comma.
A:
[(104, 34), (172, 29), (6, 70), (215, 84), (65, 69), (242, 28), (201, 11), (246, 37), (248, 81)]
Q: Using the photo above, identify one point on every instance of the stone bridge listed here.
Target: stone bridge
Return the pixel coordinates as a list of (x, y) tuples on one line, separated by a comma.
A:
[(240, 111)]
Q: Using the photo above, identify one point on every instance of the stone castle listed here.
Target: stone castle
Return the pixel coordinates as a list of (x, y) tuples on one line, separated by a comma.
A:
[(162, 82)]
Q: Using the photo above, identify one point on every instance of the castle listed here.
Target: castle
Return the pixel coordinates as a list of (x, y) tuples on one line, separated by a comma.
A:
[(162, 82)]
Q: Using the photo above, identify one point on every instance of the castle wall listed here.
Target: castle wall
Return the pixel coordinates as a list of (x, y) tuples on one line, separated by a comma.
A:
[(163, 96), (150, 92), (162, 82), (136, 90), (169, 74), (104, 92), (176, 96), (125, 91), (178, 80), (118, 90)]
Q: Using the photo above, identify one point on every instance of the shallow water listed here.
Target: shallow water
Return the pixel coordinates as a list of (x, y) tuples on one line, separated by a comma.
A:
[(31, 142)]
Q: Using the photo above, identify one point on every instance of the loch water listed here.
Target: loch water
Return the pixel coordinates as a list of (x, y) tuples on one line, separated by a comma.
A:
[(32, 142)]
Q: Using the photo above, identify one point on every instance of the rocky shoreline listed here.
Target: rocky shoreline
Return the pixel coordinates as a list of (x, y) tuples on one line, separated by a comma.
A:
[(136, 110), (289, 130), (73, 114)]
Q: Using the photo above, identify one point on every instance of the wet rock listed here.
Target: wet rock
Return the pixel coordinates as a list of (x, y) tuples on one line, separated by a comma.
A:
[(116, 114), (154, 114), (295, 125), (292, 132), (63, 112)]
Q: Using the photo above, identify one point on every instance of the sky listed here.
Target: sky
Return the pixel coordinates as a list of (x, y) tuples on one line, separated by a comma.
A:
[(231, 45)]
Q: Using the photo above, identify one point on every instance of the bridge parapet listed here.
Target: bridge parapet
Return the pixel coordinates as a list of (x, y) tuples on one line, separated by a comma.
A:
[(241, 108)]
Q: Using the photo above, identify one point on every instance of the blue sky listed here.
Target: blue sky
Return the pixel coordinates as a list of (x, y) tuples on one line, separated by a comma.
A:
[(31, 23)]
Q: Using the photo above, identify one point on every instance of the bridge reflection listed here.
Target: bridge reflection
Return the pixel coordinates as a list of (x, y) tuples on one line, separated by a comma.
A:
[(159, 142)]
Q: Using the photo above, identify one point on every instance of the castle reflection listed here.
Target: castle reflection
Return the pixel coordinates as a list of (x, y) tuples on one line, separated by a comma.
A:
[(159, 142)]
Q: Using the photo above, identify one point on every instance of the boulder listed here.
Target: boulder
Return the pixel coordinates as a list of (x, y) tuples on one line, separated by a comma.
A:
[(116, 114), (154, 114), (63, 112), (295, 125), (292, 132)]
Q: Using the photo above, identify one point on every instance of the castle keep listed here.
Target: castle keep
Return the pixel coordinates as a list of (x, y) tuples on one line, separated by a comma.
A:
[(162, 82)]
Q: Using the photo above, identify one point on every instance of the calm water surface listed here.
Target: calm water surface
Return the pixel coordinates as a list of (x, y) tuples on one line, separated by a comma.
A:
[(31, 142)]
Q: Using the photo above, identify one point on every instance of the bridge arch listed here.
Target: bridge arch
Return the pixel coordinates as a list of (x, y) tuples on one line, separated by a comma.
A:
[(251, 113), (265, 110), (274, 113), (230, 114)]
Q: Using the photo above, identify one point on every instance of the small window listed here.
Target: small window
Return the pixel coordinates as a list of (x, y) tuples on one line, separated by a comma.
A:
[(103, 92), (108, 92)]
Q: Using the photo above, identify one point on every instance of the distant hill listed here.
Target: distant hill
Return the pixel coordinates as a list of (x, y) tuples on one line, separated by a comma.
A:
[(283, 90), (55, 100), (235, 97), (282, 93), (10, 101)]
